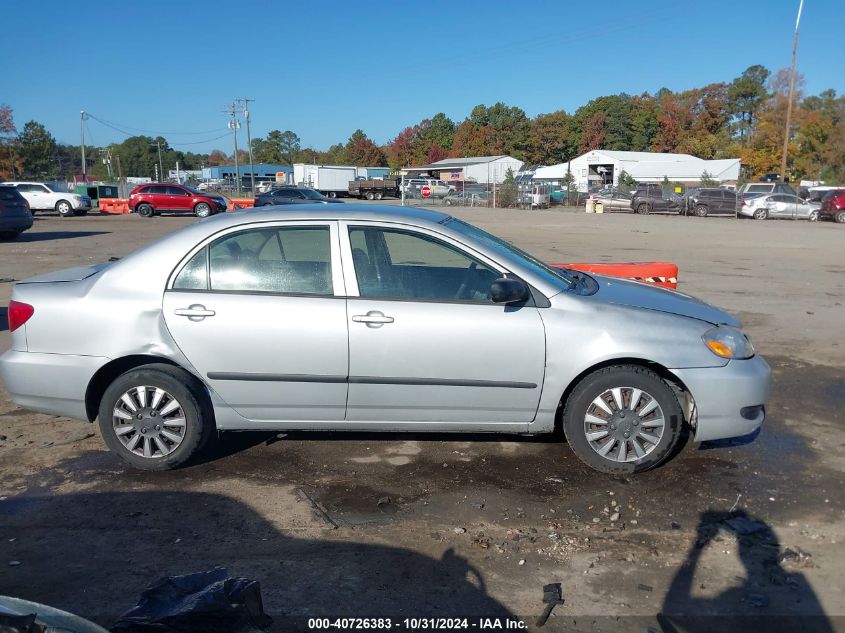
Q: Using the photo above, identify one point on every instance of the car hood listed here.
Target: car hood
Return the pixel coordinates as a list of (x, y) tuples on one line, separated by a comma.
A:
[(642, 295), (77, 273)]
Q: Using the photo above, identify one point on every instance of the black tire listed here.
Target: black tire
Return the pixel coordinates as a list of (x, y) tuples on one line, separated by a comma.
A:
[(379, 195), (145, 210), (580, 403), (9, 236), (332, 194), (371, 196), (185, 388), (700, 211), (202, 210), (64, 208), (642, 208), (814, 216), (839, 217), (761, 214)]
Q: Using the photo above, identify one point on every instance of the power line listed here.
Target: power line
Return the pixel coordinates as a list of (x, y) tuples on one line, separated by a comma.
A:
[(125, 133), (136, 129)]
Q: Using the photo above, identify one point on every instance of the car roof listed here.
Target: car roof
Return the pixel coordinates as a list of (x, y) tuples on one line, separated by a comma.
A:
[(378, 213)]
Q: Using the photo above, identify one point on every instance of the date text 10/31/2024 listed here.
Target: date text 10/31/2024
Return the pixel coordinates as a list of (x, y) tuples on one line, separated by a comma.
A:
[(416, 624)]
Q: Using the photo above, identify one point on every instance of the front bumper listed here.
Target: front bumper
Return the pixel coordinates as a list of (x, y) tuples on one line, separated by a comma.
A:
[(722, 393), (49, 383), (82, 205)]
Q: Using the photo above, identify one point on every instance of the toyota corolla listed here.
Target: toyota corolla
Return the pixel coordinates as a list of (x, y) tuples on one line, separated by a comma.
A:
[(373, 319)]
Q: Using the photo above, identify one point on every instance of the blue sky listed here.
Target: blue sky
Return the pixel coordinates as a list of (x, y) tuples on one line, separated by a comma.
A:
[(323, 69)]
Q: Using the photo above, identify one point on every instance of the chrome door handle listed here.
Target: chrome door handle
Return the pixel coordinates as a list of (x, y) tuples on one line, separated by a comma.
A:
[(194, 312), (373, 318)]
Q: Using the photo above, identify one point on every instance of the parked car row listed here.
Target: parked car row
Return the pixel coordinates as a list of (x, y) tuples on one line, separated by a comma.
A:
[(43, 197)]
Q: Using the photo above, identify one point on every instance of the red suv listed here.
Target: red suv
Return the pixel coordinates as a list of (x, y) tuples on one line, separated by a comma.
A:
[(833, 206), (149, 200)]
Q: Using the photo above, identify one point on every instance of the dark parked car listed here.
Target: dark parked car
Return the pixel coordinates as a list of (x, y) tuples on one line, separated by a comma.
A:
[(152, 199), (833, 206), (706, 201), (15, 216), (291, 195), (650, 199)]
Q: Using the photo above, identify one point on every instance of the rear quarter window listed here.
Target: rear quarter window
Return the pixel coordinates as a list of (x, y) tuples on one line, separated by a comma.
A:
[(10, 194)]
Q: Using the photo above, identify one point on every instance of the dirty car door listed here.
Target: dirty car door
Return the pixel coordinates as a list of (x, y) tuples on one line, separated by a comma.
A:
[(260, 314), (426, 343)]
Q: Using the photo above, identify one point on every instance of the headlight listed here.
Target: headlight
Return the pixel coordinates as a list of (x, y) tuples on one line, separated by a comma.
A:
[(728, 342)]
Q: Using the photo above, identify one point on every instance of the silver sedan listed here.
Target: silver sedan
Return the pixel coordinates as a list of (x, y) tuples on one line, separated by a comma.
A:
[(779, 206), (373, 319)]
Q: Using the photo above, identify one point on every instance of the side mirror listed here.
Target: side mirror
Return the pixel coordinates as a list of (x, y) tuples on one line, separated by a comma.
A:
[(506, 290)]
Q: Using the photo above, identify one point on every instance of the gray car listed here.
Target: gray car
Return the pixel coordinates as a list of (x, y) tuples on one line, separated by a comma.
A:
[(373, 319)]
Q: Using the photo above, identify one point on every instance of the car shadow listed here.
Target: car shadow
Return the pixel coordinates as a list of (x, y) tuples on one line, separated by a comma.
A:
[(768, 598), (43, 236), (94, 553)]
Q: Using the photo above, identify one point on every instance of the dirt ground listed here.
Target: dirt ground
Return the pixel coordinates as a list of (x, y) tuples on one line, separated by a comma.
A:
[(742, 535)]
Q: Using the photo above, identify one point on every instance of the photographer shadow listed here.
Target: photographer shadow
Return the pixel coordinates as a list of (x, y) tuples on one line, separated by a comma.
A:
[(769, 599)]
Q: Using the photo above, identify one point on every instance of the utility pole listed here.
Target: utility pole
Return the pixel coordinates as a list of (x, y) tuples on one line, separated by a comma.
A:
[(82, 136), (160, 164), (246, 101), (121, 189), (105, 155), (791, 95), (232, 111)]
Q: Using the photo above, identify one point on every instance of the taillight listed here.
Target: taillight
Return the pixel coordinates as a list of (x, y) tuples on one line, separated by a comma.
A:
[(19, 313)]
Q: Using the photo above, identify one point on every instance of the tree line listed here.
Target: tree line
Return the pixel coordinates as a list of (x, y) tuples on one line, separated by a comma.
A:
[(743, 118)]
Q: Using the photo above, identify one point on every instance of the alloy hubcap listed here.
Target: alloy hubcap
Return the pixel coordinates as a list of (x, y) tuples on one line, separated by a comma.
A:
[(149, 421), (624, 424)]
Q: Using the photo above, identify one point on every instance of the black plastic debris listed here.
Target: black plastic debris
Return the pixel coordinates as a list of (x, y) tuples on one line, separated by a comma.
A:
[(552, 596), (205, 602)]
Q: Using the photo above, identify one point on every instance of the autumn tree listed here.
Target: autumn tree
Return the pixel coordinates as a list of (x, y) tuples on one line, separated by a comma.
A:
[(551, 139), (10, 162), (593, 132), (361, 150)]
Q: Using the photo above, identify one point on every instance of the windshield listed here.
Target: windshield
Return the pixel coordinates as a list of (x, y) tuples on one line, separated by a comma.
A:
[(311, 194), (498, 245)]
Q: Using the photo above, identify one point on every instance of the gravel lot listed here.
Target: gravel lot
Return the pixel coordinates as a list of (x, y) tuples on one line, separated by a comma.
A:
[(413, 526)]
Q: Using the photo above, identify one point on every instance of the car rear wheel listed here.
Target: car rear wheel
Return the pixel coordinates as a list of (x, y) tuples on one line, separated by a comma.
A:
[(332, 194), (145, 210), (700, 211), (64, 208), (840, 217), (642, 208), (761, 214), (622, 419), (202, 210), (152, 417)]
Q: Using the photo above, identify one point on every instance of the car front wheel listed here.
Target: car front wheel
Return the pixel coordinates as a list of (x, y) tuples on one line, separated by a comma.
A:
[(622, 419), (814, 216), (700, 211), (153, 418), (202, 210), (642, 208), (64, 208)]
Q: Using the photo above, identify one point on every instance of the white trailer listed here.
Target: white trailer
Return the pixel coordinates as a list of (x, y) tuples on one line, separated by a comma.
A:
[(330, 180)]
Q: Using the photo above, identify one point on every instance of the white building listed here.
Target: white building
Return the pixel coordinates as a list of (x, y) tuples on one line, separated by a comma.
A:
[(482, 169), (602, 167)]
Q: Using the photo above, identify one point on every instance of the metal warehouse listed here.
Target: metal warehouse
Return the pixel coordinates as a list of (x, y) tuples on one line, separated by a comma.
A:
[(482, 169), (603, 167)]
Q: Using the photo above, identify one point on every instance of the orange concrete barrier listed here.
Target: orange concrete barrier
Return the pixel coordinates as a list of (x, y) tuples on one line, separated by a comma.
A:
[(240, 203), (114, 205), (663, 274)]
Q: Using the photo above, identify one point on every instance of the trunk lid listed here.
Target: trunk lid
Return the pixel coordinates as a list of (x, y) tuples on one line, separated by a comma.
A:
[(77, 273)]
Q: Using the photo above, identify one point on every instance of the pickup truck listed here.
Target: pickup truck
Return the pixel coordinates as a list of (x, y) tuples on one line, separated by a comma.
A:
[(389, 187), (42, 197)]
